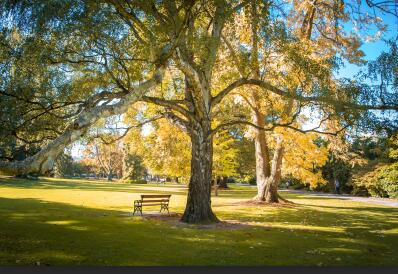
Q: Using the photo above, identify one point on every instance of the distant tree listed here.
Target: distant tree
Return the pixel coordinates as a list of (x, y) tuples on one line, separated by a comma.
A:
[(89, 166), (132, 165), (64, 166), (225, 158), (108, 157), (337, 168)]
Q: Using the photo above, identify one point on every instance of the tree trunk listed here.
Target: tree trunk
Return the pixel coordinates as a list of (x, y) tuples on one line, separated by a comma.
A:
[(198, 208), (110, 175), (110, 167), (271, 190), (223, 182), (262, 156)]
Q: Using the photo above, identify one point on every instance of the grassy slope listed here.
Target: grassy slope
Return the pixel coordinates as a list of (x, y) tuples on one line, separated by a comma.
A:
[(60, 222)]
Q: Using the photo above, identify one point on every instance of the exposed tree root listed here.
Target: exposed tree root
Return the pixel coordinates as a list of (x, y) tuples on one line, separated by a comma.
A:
[(282, 203), (284, 200)]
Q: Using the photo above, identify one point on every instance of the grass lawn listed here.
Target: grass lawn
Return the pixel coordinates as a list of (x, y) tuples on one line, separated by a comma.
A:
[(78, 222)]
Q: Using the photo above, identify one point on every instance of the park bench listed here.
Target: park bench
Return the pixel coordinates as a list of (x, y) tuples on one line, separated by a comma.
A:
[(151, 200)]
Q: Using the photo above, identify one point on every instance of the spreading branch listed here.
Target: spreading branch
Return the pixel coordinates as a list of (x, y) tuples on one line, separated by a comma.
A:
[(43, 161), (139, 125), (177, 121), (292, 95), (171, 104)]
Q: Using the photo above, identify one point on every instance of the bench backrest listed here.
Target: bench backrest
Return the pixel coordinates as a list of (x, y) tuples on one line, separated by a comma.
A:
[(160, 197)]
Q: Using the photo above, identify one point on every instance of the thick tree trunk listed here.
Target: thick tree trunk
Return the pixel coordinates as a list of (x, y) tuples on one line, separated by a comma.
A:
[(271, 190), (262, 156), (198, 208)]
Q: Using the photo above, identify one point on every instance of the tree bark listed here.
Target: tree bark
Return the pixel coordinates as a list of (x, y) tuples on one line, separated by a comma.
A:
[(198, 207), (271, 190), (262, 156)]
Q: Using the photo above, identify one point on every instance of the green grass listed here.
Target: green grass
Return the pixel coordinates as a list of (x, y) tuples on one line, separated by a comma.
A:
[(78, 222)]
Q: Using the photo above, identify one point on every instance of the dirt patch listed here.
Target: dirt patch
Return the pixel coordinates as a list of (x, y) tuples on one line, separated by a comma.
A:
[(281, 204), (164, 217)]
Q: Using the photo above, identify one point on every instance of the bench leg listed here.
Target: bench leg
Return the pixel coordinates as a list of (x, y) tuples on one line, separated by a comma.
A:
[(137, 208), (164, 207)]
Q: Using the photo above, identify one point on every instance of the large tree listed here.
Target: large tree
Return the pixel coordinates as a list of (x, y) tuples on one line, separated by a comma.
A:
[(114, 53)]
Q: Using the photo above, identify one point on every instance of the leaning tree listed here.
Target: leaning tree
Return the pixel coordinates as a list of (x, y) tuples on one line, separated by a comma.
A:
[(113, 53)]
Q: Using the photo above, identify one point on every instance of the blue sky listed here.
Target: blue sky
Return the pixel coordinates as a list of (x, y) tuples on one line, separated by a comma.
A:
[(372, 49)]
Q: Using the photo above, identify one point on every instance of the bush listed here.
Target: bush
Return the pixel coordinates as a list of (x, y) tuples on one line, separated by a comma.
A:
[(336, 169), (135, 181), (294, 183), (247, 180), (380, 181), (252, 181), (327, 188)]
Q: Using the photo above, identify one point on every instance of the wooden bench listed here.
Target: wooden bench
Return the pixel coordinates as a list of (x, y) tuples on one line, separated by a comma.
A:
[(151, 200)]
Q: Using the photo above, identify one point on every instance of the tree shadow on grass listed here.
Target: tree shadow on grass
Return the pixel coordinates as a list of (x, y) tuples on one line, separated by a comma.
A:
[(34, 230)]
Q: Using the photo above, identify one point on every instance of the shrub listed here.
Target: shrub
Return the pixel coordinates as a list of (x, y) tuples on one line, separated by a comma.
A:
[(135, 181), (380, 181), (248, 179), (294, 183)]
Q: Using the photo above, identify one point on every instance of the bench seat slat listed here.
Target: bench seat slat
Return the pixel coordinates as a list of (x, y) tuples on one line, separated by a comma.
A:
[(155, 196), (152, 201), (154, 204)]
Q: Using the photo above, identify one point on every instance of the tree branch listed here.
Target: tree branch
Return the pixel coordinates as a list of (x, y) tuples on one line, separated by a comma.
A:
[(128, 129), (171, 104), (44, 159), (286, 125), (178, 121), (289, 94)]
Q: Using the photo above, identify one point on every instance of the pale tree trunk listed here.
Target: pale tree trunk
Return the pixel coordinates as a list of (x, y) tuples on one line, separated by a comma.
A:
[(262, 156), (198, 208), (110, 167), (263, 168), (271, 190), (106, 167), (57, 170)]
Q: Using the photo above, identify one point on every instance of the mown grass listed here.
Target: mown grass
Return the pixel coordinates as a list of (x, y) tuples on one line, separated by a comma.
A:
[(80, 222)]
